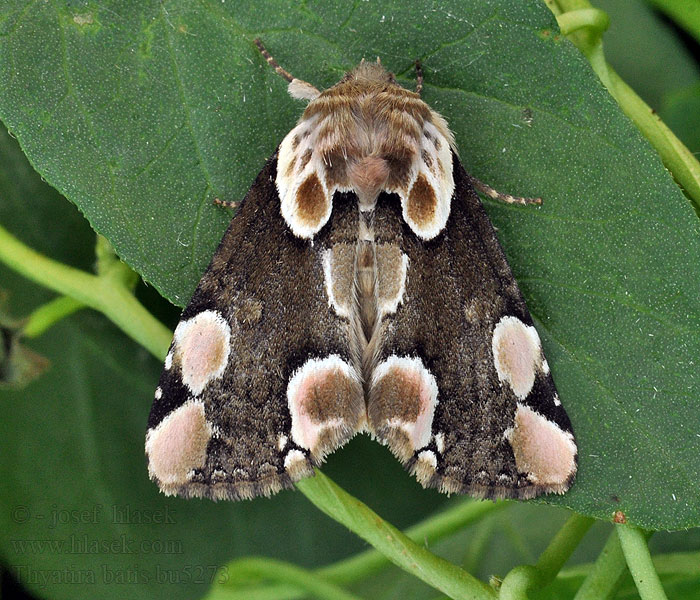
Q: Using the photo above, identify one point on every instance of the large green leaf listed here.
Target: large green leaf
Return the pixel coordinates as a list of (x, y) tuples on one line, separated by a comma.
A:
[(142, 113)]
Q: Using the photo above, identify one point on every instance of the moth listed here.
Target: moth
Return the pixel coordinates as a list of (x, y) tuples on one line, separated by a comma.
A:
[(360, 287)]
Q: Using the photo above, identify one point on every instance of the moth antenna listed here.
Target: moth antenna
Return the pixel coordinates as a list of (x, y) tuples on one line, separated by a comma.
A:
[(419, 77), (486, 189), (272, 62), (226, 203), (298, 88)]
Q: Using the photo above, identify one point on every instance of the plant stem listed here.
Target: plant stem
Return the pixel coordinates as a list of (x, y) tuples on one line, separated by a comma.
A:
[(104, 294), (526, 577), (562, 546), (583, 17), (49, 314), (371, 561), (279, 571), (636, 551), (684, 565), (396, 546), (432, 529), (605, 575)]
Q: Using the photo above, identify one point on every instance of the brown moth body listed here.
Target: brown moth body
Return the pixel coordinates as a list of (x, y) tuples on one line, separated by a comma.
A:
[(382, 303)]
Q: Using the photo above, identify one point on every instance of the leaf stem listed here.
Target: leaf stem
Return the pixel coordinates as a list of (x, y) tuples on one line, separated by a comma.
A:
[(105, 294), (684, 565), (605, 574), (636, 551), (592, 18), (562, 546), (525, 577), (49, 314), (432, 529), (277, 570), (396, 546)]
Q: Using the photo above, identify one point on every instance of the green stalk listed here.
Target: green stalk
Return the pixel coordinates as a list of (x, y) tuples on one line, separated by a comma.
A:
[(396, 546), (606, 573), (49, 314), (104, 294), (575, 20), (526, 577), (276, 570), (636, 551)]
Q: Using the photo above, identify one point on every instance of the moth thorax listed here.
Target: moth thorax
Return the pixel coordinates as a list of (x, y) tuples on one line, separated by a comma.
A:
[(368, 176)]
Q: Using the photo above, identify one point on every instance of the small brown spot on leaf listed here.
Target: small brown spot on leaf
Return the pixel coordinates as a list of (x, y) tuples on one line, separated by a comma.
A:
[(619, 517)]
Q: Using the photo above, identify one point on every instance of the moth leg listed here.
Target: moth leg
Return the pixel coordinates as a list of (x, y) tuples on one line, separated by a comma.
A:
[(484, 188), (419, 77), (226, 203), (298, 88)]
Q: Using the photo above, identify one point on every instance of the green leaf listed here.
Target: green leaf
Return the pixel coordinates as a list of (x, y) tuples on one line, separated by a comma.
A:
[(146, 113)]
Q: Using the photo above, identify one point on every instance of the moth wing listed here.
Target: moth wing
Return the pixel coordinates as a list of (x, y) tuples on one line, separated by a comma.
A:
[(258, 384), (461, 392)]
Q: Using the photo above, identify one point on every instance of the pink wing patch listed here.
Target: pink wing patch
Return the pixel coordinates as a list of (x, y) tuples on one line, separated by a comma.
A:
[(178, 445), (202, 346), (541, 449)]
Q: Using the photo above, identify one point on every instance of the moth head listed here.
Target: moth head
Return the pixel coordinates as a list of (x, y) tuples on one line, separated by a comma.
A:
[(367, 72)]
